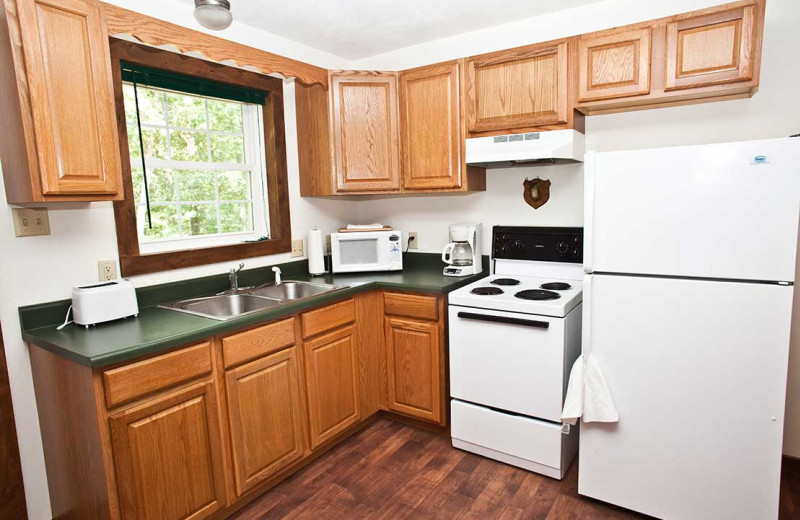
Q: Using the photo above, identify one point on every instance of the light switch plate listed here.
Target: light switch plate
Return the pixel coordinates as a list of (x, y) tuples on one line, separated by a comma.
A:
[(31, 222), (297, 247)]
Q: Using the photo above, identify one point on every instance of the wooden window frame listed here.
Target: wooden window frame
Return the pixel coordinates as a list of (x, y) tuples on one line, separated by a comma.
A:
[(130, 259)]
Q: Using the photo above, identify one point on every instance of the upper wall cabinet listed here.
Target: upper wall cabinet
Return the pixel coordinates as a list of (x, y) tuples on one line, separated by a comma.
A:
[(432, 128), (710, 49), (713, 54), (616, 65), (365, 131), (526, 87), (351, 143), (57, 109)]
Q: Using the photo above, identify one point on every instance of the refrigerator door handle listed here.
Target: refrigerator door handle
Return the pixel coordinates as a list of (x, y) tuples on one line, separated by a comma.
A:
[(502, 319), (588, 210), (586, 325)]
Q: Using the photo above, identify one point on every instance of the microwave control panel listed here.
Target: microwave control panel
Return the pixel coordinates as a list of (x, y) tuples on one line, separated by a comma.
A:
[(395, 252)]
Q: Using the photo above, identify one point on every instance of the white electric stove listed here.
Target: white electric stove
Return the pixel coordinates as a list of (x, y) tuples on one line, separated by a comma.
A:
[(513, 339)]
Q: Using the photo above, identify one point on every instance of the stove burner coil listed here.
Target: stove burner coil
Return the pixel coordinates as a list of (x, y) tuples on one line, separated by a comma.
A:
[(556, 286), (486, 291), (537, 294), (505, 281)]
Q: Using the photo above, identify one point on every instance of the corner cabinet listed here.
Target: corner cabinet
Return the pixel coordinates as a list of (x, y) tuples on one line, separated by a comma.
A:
[(708, 55), (57, 113), (365, 131)]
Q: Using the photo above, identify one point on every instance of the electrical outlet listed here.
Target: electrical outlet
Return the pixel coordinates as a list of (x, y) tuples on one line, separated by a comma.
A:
[(297, 247), (413, 242), (107, 270), (31, 222)]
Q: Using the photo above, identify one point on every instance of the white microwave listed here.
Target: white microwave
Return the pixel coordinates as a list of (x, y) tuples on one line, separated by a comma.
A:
[(367, 251)]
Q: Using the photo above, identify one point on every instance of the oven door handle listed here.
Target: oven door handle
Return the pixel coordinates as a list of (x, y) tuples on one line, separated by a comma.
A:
[(502, 319)]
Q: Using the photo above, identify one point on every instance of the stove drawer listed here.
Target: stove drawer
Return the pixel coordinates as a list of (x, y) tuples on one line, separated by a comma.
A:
[(511, 361), (532, 444)]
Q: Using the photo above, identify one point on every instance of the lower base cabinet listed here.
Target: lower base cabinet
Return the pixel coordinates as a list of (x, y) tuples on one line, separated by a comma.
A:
[(168, 456), (414, 364), (266, 417), (332, 383)]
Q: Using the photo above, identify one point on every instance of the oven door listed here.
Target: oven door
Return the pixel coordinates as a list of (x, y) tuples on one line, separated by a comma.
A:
[(508, 360), (354, 252)]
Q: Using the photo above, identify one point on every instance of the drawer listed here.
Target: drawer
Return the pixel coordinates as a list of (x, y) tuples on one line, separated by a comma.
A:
[(514, 439), (328, 318), (128, 382), (411, 305), (257, 342)]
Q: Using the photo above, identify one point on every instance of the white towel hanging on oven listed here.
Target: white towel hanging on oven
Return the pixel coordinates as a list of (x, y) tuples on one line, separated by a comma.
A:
[(588, 395)]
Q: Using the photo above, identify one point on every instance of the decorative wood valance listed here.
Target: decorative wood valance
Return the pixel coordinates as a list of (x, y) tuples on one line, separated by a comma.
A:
[(152, 31)]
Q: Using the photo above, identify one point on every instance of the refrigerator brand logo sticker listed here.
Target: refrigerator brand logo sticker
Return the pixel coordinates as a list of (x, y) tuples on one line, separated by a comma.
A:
[(759, 159)]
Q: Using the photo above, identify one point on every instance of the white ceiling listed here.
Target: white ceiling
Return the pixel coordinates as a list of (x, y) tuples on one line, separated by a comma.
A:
[(355, 29)]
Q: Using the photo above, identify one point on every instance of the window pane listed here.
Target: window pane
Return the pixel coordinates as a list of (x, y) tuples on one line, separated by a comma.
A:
[(234, 186), (138, 185), (227, 148), (236, 217), (165, 222), (194, 185), (188, 146), (160, 185), (199, 219), (186, 111), (224, 116), (151, 105)]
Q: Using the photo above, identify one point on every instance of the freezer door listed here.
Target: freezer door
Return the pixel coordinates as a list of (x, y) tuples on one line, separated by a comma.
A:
[(713, 211), (697, 370)]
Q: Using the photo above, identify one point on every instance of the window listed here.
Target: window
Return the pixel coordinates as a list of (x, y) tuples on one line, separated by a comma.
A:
[(204, 165), (213, 187)]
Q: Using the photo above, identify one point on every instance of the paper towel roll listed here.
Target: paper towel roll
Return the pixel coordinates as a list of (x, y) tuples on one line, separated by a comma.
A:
[(316, 252)]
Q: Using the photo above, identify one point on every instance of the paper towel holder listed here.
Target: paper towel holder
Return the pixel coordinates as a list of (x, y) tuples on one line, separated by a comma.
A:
[(317, 253)]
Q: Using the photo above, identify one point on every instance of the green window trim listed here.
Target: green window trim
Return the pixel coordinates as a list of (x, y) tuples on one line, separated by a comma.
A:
[(150, 77)]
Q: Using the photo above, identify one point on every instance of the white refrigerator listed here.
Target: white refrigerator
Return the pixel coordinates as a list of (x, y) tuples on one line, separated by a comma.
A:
[(690, 264)]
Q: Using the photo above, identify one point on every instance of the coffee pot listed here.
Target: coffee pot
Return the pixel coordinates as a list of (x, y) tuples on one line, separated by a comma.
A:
[(463, 254)]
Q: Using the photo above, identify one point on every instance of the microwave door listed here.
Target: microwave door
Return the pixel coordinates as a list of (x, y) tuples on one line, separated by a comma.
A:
[(361, 252)]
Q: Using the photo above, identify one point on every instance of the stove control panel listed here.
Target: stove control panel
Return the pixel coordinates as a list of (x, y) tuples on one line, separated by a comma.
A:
[(542, 244)]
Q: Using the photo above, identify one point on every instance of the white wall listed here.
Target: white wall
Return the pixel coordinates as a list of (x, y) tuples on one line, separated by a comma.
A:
[(774, 111)]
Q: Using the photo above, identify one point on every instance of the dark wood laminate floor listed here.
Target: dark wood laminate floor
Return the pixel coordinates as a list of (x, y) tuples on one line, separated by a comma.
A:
[(394, 471)]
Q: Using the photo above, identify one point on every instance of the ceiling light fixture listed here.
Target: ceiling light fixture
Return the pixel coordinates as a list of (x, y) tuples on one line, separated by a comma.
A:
[(213, 14)]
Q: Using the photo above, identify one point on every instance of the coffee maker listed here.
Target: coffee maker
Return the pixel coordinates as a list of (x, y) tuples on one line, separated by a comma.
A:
[(463, 254)]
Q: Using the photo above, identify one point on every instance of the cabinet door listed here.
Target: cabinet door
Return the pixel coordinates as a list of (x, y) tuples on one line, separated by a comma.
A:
[(518, 88), (168, 456), (266, 413), (414, 367), (365, 133), (431, 127), (68, 70), (614, 66), (711, 49), (332, 384)]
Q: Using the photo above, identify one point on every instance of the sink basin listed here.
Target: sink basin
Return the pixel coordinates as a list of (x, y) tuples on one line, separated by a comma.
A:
[(225, 306), (291, 290), (247, 301)]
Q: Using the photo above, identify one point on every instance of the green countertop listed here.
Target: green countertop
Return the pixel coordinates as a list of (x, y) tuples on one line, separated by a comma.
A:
[(158, 329)]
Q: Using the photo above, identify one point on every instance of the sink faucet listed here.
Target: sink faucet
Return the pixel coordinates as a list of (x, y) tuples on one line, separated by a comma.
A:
[(234, 277), (277, 271)]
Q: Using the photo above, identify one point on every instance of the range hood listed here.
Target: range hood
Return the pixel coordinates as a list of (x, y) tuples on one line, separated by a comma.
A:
[(531, 149)]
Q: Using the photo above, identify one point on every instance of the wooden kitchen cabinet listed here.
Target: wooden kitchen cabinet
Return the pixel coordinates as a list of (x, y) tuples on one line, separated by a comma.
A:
[(712, 48), (266, 417), (614, 65), (708, 55), (168, 456), (57, 109), (332, 383), (526, 87), (365, 131), (430, 122)]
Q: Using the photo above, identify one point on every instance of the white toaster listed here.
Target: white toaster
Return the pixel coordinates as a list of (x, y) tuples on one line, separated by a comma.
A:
[(107, 301)]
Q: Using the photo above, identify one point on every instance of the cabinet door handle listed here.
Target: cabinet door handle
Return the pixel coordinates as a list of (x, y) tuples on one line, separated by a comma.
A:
[(502, 319)]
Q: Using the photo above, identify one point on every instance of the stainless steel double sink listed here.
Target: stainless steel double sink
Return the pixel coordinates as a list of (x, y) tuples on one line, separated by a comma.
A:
[(230, 305)]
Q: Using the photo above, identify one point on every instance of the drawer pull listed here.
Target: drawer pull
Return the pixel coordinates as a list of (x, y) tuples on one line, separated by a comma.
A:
[(502, 319)]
